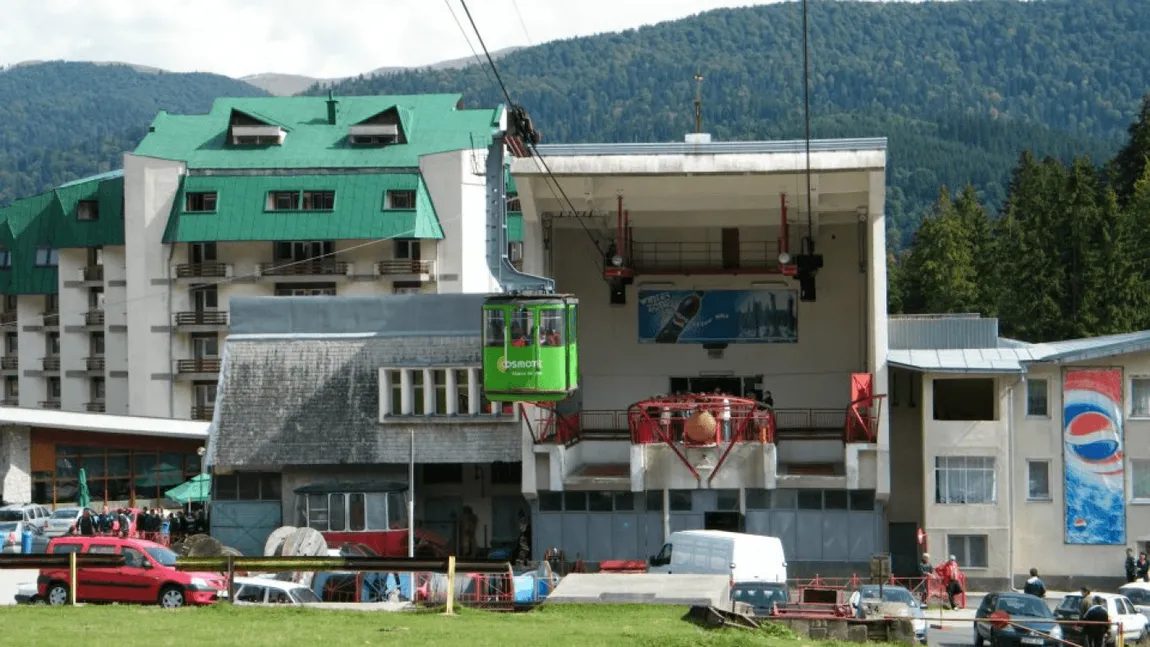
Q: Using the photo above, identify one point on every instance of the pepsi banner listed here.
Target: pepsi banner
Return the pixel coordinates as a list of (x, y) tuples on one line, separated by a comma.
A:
[(718, 316), (1093, 455)]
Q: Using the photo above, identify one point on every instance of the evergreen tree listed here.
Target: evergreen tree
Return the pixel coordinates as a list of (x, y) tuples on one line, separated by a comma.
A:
[(1130, 164), (1077, 225), (939, 273), (1118, 297), (968, 208), (894, 285)]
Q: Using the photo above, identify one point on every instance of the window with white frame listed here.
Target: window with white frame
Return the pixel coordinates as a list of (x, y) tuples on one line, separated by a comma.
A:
[(1140, 397), (969, 550), (452, 392), (1037, 398), (964, 479), (1038, 480), (418, 404), (1140, 479)]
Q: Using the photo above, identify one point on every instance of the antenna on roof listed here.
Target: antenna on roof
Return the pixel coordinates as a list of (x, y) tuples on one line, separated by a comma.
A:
[(698, 103)]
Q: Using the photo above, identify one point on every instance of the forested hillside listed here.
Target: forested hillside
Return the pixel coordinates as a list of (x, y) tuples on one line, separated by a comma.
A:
[(960, 87), (60, 121)]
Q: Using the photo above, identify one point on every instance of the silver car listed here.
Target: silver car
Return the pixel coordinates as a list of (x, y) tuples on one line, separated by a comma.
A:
[(63, 519), (12, 538), (33, 514)]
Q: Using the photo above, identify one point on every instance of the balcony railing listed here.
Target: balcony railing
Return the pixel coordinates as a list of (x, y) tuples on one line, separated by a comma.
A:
[(94, 318), (94, 363), (613, 424), (210, 270), (688, 257), (304, 268), (202, 365), (51, 318), (51, 363), (49, 404), (7, 317), (10, 363), (95, 407), (202, 318), (93, 273), (202, 412), (10, 401), (402, 266)]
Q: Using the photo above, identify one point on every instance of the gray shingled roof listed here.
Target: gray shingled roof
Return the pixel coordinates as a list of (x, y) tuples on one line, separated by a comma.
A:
[(285, 400), (385, 315), (1013, 356)]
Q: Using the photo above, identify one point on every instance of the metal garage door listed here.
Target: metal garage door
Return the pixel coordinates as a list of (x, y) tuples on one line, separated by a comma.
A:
[(245, 525)]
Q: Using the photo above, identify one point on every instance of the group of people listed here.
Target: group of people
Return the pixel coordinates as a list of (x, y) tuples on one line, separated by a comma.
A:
[(1137, 569), (949, 575), (125, 522)]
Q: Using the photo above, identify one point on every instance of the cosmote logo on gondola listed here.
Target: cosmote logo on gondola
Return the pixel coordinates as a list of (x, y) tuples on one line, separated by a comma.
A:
[(516, 365)]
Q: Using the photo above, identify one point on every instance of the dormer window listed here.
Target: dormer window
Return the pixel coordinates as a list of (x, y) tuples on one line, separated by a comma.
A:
[(318, 200), (247, 130), (380, 129), (301, 201), (88, 210), (399, 200), (200, 202), (47, 257), (283, 201)]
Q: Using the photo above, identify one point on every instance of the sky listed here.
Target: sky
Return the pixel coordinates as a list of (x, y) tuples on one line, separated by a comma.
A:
[(318, 38)]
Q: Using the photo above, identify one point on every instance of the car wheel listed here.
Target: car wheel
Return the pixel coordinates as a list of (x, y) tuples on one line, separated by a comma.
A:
[(172, 597), (57, 594)]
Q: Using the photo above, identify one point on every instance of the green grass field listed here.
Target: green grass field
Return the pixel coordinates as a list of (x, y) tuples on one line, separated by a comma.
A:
[(577, 625)]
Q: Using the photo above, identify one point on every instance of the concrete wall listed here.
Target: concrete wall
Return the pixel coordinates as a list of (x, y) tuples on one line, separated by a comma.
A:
[(15, 464), (458, 193)]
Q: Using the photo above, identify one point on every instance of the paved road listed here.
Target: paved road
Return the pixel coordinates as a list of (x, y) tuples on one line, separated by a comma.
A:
[(960, 633)]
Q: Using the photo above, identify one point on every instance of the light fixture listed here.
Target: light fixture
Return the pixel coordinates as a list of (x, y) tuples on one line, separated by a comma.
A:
[(200, 451), (617, 261), (784, 258)]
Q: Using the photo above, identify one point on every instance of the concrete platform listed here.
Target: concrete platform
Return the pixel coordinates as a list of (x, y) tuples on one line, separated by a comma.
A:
[(617, 588)]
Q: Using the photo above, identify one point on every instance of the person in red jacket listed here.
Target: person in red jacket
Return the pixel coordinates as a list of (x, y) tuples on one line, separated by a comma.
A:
[(951, 579)]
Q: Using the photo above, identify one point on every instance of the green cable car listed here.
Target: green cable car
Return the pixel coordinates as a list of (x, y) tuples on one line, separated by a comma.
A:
[(529, 347)]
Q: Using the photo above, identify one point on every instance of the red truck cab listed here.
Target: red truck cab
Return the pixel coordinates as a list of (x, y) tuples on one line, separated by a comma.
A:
[(148, 575)]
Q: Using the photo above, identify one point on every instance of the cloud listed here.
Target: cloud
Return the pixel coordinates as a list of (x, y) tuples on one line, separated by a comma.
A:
[(332, 38)]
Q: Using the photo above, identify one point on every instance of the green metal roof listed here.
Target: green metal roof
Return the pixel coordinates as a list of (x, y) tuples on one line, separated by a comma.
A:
[(108, 229), (27, 226), (431, 124), (358, 213)]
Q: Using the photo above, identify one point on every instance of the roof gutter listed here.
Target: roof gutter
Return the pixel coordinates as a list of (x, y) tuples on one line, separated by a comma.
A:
[(1109, 350), (957, 371)]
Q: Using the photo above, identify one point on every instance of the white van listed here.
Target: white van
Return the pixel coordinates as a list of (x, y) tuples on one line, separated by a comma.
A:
[(745, 558)]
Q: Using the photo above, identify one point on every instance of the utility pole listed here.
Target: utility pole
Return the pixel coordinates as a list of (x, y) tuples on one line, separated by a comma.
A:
[(698, 103)]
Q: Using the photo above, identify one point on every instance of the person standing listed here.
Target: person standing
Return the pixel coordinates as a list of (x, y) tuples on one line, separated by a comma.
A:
[(86, 527), (1035, 586), (1131, 566), (1099, 620), (1143, 568), (951, 577), (1084, 603)]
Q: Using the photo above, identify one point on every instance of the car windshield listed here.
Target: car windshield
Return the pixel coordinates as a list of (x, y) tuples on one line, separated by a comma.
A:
[(1018, 606), (304, 596), (162, 555), (758, 595), (11, 515), (9, 527), (895, 594), (65, 513)]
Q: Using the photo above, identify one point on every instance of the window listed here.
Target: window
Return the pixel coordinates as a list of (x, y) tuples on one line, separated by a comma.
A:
[(1036, 398), (51, 303), (96, 344), (1038, 480), (200, 253), (204, 394), (494, 329), (205, 297), (96, 299), (200, 201), (970, 550), (88, 210), (246, 486), (1140, 479), (52, 344), (318, 200), (964, 399), (449, 387), (406, 287), (5, 258), (306, 250), (12, 343), (522, 328), (205, 346), (572, 327), (283, 201), (12, 387), (462, 392), (407, 249), (417, 404), (96, 389), (53, 388), (395, 385), (1140, 397), (439, 379), (551, 327), (250, 593), (47, 257), (305, 290), (399, 200), (964, 479)]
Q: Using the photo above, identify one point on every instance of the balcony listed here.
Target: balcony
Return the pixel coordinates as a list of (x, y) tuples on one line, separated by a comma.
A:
[(94, 318), (10, 363), (94, 364), (10, 401), (51, 363), (50, 404), (299, 269), (704, 258), (201, 412), (201, 365), (406, 270), (8, 317), (50, 318), (95, 407), (92, 274), (209, 270), (204, 318)]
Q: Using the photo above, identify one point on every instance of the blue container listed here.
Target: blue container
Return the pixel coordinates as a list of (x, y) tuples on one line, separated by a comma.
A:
[(164, 527), (26, 541)]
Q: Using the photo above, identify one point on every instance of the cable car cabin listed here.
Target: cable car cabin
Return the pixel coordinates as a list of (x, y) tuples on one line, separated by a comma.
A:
[(529, 347), (373, 514)]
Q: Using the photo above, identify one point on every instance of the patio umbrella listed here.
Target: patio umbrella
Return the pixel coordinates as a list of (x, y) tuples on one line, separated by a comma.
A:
[(195, 490), (84, 500)]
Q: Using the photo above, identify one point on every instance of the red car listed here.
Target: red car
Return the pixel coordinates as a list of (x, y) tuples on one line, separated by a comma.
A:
[(147, 577)]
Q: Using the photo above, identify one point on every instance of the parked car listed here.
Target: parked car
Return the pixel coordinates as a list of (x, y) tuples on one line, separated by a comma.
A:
[(12, 538), (872, 601), (63, 519), (762, 596), (147, 577), (1120, 608), (256, 590), (1139, 595), (31, 513), (1027, 613), (26, 594)]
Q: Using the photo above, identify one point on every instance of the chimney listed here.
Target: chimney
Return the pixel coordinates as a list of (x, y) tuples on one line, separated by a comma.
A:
[(331, 104)]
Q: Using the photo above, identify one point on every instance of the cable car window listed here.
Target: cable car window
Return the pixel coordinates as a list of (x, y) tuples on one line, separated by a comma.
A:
[(572, 327), (356, 511), (336, 519), (494, 328), (377, 511), (523, 327), (551, 328)]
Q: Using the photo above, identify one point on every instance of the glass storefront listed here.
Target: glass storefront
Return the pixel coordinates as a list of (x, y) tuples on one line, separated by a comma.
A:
[(115, 476)]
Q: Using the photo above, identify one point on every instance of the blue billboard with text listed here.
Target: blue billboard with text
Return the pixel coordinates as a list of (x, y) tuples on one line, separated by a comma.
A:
[(718, 316)]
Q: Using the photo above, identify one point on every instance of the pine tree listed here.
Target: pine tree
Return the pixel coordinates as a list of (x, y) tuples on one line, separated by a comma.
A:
[(1079, 228), (894, 285), (968, 208), (1129, 165), (1118, 297), (939, 273)]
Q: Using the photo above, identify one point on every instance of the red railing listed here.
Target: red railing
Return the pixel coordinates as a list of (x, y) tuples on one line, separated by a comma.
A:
[(926, 588)]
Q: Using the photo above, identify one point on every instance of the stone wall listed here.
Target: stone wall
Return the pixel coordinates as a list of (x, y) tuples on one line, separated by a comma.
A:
[(15, 464), (850, 630)]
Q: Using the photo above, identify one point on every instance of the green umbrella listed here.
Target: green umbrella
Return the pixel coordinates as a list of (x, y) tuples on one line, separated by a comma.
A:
[(195, 490), (84, 500)]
